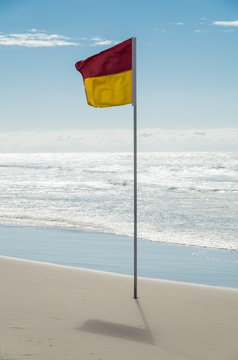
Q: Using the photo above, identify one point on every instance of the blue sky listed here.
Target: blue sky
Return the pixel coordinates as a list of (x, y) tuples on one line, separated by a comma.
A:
[(187, 74)]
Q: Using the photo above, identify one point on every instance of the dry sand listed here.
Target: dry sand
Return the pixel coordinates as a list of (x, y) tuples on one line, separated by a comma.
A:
[(55, 312)]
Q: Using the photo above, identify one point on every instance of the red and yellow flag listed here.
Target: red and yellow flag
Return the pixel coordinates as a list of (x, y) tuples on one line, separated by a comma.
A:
[(107, 76)]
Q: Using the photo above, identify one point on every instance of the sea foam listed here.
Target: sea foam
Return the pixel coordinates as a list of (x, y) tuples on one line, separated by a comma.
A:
[(184, 198)]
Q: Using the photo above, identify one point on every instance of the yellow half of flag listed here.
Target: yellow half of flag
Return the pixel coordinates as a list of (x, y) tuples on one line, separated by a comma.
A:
[(109, 90)]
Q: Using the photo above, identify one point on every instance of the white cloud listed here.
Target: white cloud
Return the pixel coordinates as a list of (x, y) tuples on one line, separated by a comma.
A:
[(40, 38), (200, 133), (103, 42), (120, 140), (188, 140), (96, 38), (179, 24), (35, 38), (63, 141), (98, 41), (199, 30), (226, 23)]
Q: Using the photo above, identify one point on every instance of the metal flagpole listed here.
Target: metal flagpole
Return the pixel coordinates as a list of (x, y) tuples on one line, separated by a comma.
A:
[(134, 103)]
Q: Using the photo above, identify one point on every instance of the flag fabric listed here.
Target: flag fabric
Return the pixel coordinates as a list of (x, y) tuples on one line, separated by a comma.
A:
[(107, 76)]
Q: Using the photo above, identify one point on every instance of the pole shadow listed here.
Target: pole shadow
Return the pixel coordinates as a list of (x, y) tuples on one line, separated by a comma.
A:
[(121, 331)]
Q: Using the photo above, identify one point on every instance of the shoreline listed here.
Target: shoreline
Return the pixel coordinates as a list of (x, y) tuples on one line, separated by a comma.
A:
[(107, 273), (79, 230), (114, 254)]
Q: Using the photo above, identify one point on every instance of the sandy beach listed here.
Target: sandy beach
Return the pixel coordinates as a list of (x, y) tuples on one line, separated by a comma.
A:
[(56, 312)]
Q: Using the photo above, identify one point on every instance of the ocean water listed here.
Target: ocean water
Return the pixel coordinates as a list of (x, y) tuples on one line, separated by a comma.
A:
[(183, 198), (114, 254)]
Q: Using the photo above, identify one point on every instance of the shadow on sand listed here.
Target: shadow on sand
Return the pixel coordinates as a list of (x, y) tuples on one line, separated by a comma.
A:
[(121, 331)]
